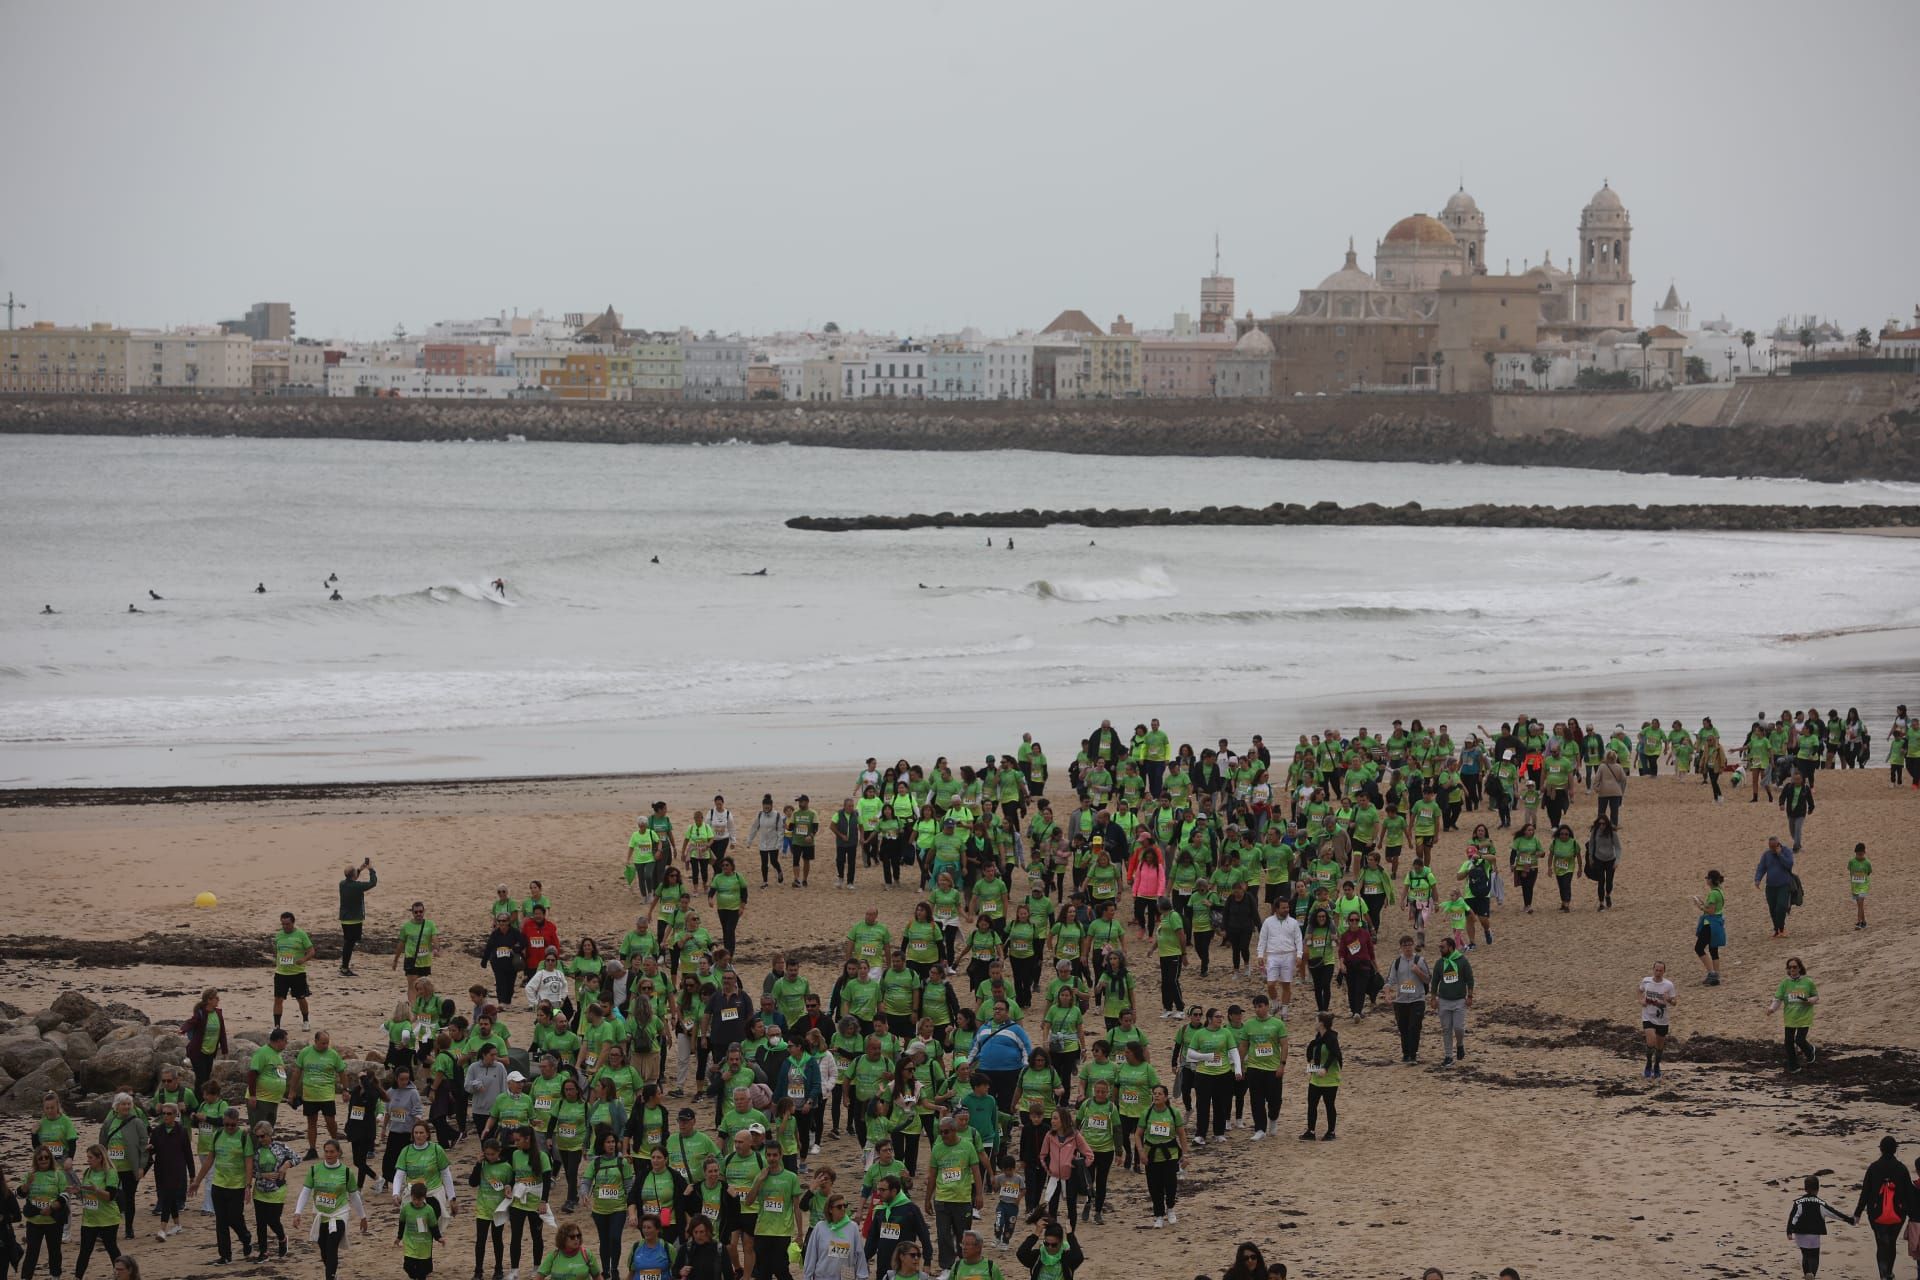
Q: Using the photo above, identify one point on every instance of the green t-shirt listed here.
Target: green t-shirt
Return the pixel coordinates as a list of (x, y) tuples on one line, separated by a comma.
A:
[(779, 1201), (419, 1224), (1167, 937), (290, 947), (230, 1152), (869, 943), (332, 1187), (1796, 1008), (271, 1084), (1099, 1122), (898, 987), (1260, 1041), (58, 1136), (1859, 876), (319, 1073), (790, 997), (729, 890), (99, 1207), (416, 942), (955, 1164)]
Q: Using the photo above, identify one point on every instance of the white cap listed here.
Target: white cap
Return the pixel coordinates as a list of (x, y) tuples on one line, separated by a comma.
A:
[(515, 1075)]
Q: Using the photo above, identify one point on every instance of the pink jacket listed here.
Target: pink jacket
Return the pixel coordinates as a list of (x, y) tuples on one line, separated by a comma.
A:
[(1056, 1154), (1149, 880)]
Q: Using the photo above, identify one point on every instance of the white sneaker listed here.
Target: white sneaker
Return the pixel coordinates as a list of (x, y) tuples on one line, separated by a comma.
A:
[(1258, 1134), (1172, 1217), (1199, 1140), (1159, 1222), (813, 1149)]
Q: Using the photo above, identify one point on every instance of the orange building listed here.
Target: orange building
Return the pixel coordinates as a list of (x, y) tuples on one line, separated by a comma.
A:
[(599, 375)]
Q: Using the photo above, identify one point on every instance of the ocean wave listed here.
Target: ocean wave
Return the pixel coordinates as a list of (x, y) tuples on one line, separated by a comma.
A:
[(1149, 583), (1334, 613)]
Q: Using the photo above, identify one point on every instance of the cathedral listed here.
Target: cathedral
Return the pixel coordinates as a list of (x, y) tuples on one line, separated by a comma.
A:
[(1359, 329)]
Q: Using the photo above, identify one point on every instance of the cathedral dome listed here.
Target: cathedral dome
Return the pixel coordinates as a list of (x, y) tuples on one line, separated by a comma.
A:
[(1461, 203), (1254, 343), (1419, 229), (1349, 277), (1605, 200)]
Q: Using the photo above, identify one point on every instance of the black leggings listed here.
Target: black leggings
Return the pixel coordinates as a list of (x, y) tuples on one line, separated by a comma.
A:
[(331, 1237), (1317, 1094), (91, 1237), (1163, 1184), (1322, 984), (485, 1229), (1796, 1039), (1525, 879), (1265, 1088), (39, 1234), (1170, 995), (523, 1218), (1240, 948), (1603, 887), (1703, 941), (266, 1220), (1216, 1098), (1102, 1165), (1565, 882), (770, 867), (1359, 987), (570, 1165), (607, 1228)]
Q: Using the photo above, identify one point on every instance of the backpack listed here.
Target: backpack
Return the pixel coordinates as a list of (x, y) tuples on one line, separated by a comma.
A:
[(1886, 1211)]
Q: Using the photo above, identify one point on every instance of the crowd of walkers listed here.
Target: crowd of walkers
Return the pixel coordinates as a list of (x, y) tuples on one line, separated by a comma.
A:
[(976, 1062)]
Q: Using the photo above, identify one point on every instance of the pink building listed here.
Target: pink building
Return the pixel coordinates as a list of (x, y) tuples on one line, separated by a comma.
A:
[(1181, 368)]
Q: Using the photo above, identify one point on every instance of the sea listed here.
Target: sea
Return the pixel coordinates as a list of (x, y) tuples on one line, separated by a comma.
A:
[(659, 615)]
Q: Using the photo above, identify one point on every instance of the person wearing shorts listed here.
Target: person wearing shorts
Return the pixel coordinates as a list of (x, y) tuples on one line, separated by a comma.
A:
[(1280, 947), (1657, 997), (292, 949)]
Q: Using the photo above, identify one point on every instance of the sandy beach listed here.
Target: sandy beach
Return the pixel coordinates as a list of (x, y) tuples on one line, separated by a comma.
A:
[(1544, 1150)]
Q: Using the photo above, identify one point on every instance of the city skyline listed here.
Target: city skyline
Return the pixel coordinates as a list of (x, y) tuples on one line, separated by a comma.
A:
[(924, 171)]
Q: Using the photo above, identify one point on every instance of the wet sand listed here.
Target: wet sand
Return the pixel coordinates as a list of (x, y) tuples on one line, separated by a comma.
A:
[(1544, 1150)]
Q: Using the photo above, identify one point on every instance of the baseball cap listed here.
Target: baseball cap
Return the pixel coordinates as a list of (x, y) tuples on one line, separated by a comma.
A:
[(515, 1075)]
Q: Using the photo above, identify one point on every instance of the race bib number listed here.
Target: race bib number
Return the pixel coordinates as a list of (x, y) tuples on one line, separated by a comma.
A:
[(502, 953), (729, 1015), (1159, 1129), (775, 1205), (611, 1193), (1353, 948), (567, 1129), (952, 1175), (1410, 990), (356, 1113), (796, 1089), (1263, 1051), (889, 1231), (1316, 1071), (1097, 1124)]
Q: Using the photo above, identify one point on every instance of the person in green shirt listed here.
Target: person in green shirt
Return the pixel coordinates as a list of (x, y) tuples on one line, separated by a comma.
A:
[(1098, 1119), (643, 856), (1263, 1050), (267, 1078), (570, 1258), (98, 1188), (319, 1066), (781, 1217), (416, 1231), (1794, 998), (229, 1160), (331, 1189), (1170, 944), (1324, 1060), (1710, 932), (954, 1177), (1859, 879), (789, 993), (1159, 1143), (292, 950), (413, 953)]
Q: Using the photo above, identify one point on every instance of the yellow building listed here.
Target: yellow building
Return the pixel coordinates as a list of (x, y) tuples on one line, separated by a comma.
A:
[(1110, 366), (1487, 323), (598, 375), (47, 358), (658, 368)]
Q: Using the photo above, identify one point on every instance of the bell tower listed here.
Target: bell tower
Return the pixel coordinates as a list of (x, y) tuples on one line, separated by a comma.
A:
[(1603, 283)]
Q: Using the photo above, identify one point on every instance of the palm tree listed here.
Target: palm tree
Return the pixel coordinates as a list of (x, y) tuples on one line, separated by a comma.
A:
[(1439, 363), (1646, 366), (1863, 339), (1746, 340), (1806, 338), (1540, 366), (1488, 357)]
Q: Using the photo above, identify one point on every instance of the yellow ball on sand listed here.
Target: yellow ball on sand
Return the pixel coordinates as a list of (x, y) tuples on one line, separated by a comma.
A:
[(205, 899)]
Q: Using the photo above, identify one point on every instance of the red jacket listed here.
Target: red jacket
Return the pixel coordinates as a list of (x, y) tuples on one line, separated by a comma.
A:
[(541, 936), (1362, 958)]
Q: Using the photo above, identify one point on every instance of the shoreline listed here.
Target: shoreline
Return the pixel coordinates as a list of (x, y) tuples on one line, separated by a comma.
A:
[(825, 748)]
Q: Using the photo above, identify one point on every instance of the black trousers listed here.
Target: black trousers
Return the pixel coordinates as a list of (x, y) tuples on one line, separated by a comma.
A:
[(1409, 1016), (230, 1219), (128, 1181), (486, 1229), (331, 1236), (39, 1234), (520, 1220), (349, 939), (1322, 985), (1170, 994), (1317, 1094), (1264, 1087), (96, 1237), (266, 1221), (1216, 1099), (1163, 1185), (845, 858)]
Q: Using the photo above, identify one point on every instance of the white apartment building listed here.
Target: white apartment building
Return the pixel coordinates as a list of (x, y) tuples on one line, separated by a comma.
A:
[(955, 375), (1007, 373), (395, 380), (900, 374)]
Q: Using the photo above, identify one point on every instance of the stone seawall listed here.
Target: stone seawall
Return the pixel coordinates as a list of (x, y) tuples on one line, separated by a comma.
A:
[(1460, 428), (1675, 517)]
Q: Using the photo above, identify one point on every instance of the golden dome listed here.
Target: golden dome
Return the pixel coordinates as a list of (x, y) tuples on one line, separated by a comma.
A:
[(1417, 229)]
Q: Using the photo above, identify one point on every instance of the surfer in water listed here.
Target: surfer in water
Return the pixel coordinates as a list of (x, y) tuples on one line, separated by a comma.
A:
[(500, 585), (152, 594), (759, 573), (260, 590), (46, 609), (332, 578), (655, 560), (335, 595), (131, 609)]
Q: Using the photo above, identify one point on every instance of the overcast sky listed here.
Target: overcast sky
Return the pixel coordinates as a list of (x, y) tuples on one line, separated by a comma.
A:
[(921, 167)]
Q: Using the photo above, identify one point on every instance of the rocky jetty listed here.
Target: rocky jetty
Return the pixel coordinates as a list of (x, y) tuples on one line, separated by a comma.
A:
[(87, 1052), (1674, 517), (1759, 441)]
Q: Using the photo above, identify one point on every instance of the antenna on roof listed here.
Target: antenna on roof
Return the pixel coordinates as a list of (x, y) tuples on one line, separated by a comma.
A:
[(1216, 253)]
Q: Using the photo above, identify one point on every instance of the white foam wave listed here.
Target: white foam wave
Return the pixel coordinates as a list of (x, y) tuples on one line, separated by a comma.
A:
[(1150, 582)]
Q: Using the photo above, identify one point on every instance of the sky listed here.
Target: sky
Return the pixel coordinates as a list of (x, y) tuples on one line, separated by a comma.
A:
[(921, 167)]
